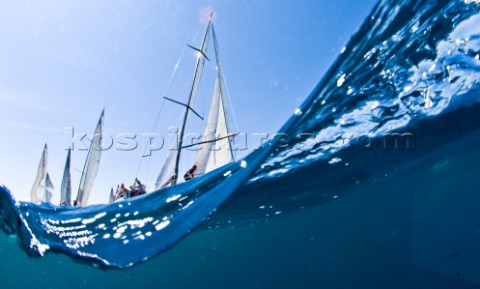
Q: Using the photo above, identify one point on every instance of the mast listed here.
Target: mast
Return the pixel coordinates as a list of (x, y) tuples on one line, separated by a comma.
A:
[(193, 92), (91, 165), (169, 173), (66, 190), (42, 170)]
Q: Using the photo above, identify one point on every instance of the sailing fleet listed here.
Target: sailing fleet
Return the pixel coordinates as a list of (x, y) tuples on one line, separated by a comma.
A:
[(42, 190), (213, 150)]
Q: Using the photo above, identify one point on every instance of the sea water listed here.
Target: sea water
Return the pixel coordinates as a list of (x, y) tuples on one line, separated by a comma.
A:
[(372, 183)]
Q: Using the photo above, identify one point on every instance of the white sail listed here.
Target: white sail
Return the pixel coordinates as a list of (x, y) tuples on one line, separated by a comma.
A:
[(169, 173), (111, 198), (48, 192), (221, 153), (216, 149), (91, 165), (211, 153), (168, 169), (66, 190), (42, 170)]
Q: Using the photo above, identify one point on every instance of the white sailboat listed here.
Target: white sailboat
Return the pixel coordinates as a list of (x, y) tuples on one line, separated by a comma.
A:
[(214, 149), (42, 189), (92, 163), (43, 186), (41, 173)]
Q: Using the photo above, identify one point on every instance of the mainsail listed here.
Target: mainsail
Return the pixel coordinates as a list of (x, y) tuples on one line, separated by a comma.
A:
[(215, 150), (41, 172), (48, 192), (66, 190), (91, 165)]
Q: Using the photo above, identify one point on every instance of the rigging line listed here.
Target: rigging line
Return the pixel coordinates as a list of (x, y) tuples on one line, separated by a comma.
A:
[(230, 102), (169, 147), (175, 72), (203, 94), (152, 130), (235, 123), (147, 175), (227, 92), (223, 85), (177, 66), (147, 179), (229, 99)]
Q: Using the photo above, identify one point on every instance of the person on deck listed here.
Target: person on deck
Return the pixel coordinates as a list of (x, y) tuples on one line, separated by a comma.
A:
[(137, 189), (121, 192), (190, 173)]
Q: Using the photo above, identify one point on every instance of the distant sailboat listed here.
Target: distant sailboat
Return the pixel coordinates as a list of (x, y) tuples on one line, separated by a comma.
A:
[(42, 190), (41, 173), (66, 190), (48, 191), (91, 165), (215, 147)]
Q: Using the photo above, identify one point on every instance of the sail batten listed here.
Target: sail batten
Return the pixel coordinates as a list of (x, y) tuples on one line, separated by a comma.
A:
[(91, 165)]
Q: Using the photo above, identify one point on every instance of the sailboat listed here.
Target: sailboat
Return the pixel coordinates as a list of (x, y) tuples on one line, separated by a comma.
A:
[(215, 149), (40, 180), (89, 174), (90, 169)]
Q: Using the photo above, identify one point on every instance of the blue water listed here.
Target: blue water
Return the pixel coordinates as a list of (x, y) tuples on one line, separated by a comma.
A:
[(372, 183)]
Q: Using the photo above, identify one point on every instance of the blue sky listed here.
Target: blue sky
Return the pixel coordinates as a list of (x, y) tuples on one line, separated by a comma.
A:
[(61, 62)]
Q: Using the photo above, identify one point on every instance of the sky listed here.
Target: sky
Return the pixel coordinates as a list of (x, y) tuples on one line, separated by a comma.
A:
[(62, 62)]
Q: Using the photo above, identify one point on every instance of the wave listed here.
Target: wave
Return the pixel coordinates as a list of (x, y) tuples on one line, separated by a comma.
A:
[(405, 89)]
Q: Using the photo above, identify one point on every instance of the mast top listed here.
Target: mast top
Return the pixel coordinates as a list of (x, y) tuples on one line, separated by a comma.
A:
[(210, 17)]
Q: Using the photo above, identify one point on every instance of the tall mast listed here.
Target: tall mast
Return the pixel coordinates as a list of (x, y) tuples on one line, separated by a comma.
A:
[(193, 91)]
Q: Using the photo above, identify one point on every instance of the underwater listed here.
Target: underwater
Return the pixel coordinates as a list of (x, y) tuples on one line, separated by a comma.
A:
[(370, 183)]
